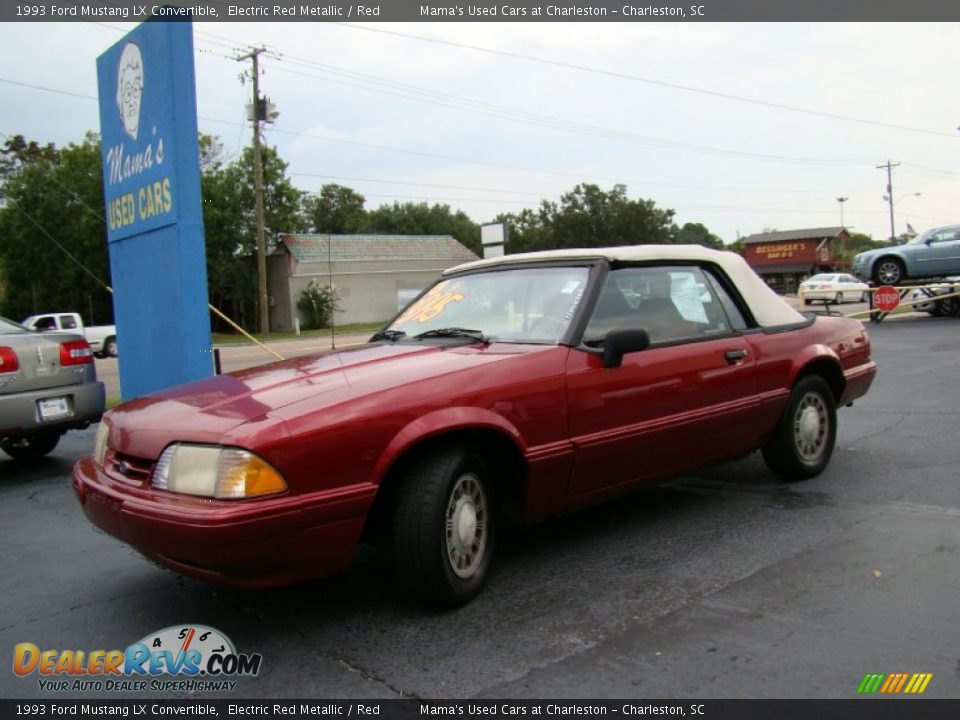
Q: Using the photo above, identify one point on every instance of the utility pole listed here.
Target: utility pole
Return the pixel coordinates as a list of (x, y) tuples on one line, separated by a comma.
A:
[(889, 167), (262, 302)]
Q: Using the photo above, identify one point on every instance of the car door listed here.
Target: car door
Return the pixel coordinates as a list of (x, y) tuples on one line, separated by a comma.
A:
[(941, 256), (850, 288), (687, 399)]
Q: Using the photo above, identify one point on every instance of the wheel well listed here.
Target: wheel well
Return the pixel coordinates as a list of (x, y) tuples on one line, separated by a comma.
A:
[(508, 467), (829, 371)]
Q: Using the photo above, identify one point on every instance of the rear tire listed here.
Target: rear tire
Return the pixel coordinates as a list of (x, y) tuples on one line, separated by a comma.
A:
[(110, 347), (32, 447), (802, 443), (838, 299), (444, 526)]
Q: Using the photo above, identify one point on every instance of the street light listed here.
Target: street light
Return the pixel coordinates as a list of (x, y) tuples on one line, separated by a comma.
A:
[(842, 200)]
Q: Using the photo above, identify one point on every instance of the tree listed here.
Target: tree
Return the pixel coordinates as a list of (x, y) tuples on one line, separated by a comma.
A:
[(231, 284), (54, 250), (230, 225), (697, 234), (17, 152), (335, 209), (588, 216), (423, 219)]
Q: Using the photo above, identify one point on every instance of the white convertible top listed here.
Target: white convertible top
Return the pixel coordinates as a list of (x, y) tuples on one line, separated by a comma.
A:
[(768, 308)]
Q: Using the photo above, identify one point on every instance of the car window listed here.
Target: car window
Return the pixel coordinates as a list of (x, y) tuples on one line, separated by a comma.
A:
[(45, 323), (944, 236), (823, 278), (513, 305), (730, 307), (670, 303), (67, 322)]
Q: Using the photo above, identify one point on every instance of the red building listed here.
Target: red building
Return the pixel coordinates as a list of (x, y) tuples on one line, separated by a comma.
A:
[(786, 258)]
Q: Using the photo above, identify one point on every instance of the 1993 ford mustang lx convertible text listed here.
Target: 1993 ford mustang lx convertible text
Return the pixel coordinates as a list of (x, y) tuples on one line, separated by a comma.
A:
[(511, 389)]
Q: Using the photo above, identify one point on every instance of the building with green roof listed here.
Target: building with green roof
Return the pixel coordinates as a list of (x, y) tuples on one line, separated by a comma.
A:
[(375, 275)]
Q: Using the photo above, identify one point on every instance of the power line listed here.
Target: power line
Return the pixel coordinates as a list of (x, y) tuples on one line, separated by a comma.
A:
[(437, 156), (650, 81), (579, 176), (521, 116), (544, 193)]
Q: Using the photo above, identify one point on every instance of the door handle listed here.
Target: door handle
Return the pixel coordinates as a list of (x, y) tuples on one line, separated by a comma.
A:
[(735, 356)]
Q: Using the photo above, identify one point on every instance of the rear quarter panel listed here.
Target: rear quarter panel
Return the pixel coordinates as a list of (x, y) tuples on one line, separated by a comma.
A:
[(838, 343)]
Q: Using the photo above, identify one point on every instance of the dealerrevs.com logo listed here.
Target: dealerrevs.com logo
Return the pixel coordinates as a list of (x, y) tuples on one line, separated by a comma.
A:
[(178, 658)]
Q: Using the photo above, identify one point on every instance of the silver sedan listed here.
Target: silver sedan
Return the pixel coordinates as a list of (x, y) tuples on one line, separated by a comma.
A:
[(48, 385)]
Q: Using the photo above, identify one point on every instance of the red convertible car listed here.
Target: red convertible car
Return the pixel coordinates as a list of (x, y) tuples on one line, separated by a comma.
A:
[(511, 389)]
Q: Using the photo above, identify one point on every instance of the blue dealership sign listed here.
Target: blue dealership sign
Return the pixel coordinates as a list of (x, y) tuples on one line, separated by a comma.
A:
[(154, 211)]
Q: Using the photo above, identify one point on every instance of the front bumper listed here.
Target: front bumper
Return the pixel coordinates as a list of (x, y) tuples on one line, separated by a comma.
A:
[(20, 416), (861, 269), (249, 543)]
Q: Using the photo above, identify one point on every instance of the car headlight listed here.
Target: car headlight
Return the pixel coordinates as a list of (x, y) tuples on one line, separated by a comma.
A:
[(215, 472), (100, 443)]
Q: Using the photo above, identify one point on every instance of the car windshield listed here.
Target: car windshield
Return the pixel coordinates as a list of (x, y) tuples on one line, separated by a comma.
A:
[(512, 305), (822, 278), (8, 327)]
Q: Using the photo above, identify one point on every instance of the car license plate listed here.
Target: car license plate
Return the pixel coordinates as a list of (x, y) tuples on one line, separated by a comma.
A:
[(53, 408)]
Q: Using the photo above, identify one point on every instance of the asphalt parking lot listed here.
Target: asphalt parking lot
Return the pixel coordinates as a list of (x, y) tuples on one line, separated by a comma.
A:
[(724, 584)]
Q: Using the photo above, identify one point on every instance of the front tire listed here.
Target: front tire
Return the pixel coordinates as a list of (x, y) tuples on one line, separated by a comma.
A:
[(802, 443), (32, 447), (889, 271), (949, 307), (444, 526)]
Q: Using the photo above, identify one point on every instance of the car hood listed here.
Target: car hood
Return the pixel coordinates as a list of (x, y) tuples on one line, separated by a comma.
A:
[(235, 408)]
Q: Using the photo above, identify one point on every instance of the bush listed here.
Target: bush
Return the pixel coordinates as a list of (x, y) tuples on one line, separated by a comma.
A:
[(318, 303)]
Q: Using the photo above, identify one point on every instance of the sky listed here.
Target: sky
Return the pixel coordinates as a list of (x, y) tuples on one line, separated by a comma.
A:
[(742, 127)]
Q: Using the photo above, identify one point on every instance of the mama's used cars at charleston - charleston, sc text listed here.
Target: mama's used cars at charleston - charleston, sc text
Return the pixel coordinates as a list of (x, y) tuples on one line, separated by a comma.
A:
[(510, 390)]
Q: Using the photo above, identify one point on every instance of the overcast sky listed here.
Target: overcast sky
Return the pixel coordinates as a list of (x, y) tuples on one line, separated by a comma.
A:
[(448, 112)]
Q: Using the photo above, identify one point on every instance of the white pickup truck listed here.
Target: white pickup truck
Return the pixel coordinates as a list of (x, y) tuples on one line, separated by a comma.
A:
[(102, 338)]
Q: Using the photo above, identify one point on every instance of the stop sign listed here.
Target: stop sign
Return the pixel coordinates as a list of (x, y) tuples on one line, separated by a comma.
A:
[(886, 298)]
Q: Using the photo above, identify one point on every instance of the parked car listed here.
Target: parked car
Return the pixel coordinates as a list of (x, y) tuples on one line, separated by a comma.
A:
[(934, 253), (48, 385), (838, 287), (102, 338), (925, 300), (512, 389)]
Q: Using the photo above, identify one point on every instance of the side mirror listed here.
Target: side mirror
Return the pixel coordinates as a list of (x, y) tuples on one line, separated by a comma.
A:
[(618, 343)]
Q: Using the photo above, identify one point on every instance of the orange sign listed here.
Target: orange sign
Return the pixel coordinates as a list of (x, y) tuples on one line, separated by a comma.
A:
[(431, 304)]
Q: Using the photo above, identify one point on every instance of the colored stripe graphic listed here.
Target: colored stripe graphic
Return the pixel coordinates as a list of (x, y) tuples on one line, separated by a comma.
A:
[(870, 683), (894, 683)]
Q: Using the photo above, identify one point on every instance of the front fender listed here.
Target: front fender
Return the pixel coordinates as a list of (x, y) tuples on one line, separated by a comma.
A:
[(438, 422)]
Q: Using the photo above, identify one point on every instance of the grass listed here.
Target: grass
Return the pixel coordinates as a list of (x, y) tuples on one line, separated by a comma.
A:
[(238, 339)]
